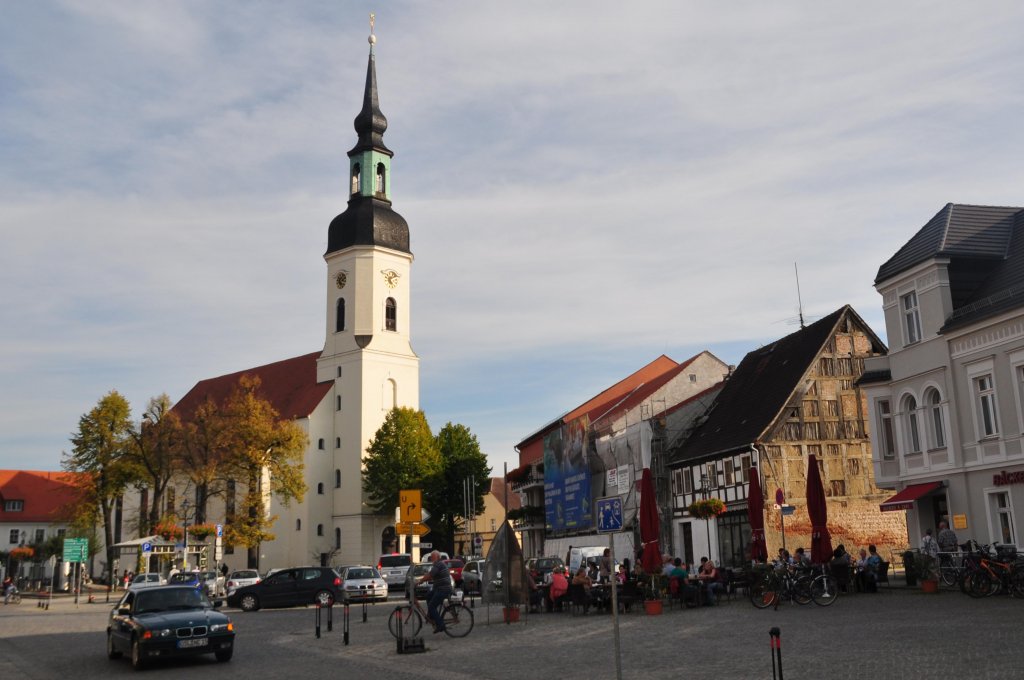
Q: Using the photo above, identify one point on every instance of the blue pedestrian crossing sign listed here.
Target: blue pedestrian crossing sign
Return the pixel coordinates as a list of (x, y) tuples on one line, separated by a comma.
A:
[(609, 515)]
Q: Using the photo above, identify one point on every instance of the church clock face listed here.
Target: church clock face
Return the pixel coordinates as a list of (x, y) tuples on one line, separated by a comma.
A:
[(390, 277), (340, 279)]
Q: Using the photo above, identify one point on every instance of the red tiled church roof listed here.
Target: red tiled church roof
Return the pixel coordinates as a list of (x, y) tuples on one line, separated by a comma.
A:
[(45, 495), (289, 385)]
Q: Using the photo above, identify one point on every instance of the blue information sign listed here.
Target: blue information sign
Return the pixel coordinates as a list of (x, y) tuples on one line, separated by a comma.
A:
[(147, 547), (609, 515)]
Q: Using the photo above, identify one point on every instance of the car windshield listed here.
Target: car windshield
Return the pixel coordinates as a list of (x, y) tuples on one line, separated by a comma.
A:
[(244, 574), (547, 562), (159, 600), (184, 578), (395, 560), (362, 573)]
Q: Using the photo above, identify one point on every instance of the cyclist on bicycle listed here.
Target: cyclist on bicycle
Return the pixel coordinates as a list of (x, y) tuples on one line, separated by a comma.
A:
[(9, 589), (441, 579)]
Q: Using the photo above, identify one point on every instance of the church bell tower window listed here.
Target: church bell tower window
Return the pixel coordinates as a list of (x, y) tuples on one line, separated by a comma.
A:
[(391, 315), (355, 179), (379, 186), (339, 323)]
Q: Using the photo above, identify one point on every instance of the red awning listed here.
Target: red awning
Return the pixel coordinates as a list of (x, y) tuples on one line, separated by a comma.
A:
[(904, 500)]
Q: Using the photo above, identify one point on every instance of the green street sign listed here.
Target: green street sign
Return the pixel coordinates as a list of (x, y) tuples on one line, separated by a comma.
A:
[(76, 549)]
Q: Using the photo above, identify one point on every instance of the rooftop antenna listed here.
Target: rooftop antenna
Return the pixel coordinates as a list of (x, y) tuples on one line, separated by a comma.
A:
[(799, 301)]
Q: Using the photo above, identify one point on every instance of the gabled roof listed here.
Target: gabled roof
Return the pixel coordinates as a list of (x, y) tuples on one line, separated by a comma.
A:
[(970, 231), (760, 388), (45, 495), (290, 386), (498, 491)]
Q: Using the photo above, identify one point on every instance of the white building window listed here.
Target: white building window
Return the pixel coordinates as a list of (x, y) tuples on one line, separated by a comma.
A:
[(937, 423), (15, 533), (985, 401), (1001, 517), (886, 435), (913, 431), (911, 317)]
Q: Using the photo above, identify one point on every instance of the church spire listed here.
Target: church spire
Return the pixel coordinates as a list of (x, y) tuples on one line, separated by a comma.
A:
[(370, 124)]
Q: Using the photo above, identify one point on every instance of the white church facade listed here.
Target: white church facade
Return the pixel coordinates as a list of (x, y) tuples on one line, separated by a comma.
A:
[(340, 395)]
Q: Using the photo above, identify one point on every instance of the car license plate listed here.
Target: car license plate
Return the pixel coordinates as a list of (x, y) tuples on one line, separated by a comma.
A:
[(194, 642), (396, 573)]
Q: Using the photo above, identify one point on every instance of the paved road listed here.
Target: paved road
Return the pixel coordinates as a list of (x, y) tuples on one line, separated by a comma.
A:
[(895, 634)]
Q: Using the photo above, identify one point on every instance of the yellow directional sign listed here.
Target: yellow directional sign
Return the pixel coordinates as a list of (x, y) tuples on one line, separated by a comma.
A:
[(413, 528), (410, 505)]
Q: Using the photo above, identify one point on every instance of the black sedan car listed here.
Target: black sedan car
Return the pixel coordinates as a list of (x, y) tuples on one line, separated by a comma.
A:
[(289, 588), (168, 621)]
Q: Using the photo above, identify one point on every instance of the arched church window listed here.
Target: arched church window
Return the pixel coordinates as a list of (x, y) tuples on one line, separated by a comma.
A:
[(355, 179), (379, 187), (320, 488), (391, 315), (298, 525), (319, 529), (320, 444), (339, 321)]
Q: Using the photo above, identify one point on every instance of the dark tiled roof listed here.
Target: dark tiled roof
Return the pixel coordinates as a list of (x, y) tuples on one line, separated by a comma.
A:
[(969, 231), (868, 377), (47, 496), (289, 385), (368, 221), (758, 390)]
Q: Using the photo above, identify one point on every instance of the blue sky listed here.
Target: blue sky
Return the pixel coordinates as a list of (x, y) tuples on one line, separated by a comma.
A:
[(588, 185)]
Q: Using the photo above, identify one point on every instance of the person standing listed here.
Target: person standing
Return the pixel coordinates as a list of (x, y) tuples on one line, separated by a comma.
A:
[(929, 546), (947, 538), (441, 579)]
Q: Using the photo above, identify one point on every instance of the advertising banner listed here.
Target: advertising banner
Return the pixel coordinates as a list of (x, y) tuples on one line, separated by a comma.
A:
[(567, 477)]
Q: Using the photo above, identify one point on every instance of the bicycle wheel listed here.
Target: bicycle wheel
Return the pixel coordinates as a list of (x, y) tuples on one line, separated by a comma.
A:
[(411, 621), (802, 590), (950, 575), (1016, 579), (824, 590), (980, 584), (763, 595), (458, 620)]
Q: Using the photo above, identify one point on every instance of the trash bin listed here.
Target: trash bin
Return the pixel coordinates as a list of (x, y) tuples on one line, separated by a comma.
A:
[(909, 568)]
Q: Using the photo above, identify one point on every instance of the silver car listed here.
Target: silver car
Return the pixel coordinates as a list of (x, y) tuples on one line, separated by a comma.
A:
[(242, 577), (363, 584)]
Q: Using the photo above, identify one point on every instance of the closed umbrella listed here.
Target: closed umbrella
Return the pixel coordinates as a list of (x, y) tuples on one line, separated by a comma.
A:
[(755, 515), (650, 525), (821, 540)]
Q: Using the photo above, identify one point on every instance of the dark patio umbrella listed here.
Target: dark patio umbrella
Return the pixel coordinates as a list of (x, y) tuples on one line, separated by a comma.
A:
[(755, 515), (821, 540), (650, 525)]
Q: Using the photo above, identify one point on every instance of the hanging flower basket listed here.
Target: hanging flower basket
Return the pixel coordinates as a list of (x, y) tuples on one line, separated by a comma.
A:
[(201, 531), (707, 508), (22, 553), (168, 530)]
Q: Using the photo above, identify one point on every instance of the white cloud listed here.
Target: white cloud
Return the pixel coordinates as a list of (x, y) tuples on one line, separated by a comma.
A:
[(587, 186)]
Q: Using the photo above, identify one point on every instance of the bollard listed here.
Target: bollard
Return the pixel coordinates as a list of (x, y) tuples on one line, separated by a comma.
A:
[(364, 611), (776, 646), (344, 624), (330, 617), (317, 620), (401, 633)]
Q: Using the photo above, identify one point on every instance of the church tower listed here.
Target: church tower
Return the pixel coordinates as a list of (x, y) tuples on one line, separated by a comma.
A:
[(367, 353)]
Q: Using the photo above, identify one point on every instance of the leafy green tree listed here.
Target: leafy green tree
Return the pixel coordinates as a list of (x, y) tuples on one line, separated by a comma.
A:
[(461, 459), (258, 445), (100, 453), (156, 454), (402, 455)]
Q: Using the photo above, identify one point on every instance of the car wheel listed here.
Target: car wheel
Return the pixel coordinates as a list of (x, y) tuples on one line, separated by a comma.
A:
[(249, 603), (112, 653), (138, 663), (224, 654), (324, 598)]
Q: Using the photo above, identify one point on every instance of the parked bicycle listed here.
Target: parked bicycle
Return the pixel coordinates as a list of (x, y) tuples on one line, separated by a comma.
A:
[(1000, 574), (802, 587), (458, 618)]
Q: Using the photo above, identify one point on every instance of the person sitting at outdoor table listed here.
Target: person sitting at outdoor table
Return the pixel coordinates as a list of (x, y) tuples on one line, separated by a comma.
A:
[(559, 587), (623, 575), (840, 566), (536, 594), (801, 558), (685, 590), (710, 578), (864, 578), (784, 557), (667, 565)]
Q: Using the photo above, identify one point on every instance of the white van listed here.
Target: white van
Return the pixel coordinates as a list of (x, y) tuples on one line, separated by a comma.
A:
[(586, 555)]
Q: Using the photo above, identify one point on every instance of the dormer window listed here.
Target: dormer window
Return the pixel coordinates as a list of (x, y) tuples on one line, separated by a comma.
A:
[(379, 186), (355, 179), (911, 317), (391, 315), (14, 506)]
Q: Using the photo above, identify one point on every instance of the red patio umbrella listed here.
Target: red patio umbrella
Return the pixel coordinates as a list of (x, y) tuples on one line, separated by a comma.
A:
[(755, 515), (821, 540), (650, 525)]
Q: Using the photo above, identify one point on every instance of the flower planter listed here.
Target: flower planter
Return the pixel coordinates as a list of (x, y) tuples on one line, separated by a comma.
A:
[(653, 607), (511, 614), (929, 585)]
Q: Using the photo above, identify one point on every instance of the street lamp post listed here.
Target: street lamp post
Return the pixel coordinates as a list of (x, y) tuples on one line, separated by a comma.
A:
[(184, 551), (705, 488)]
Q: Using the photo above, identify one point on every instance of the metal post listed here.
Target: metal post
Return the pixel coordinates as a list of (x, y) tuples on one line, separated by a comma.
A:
[(344, 625), (364, 611), (782, 518), (613, 581), (401, 632), (330, 617), (317, 620), (776, 642)]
